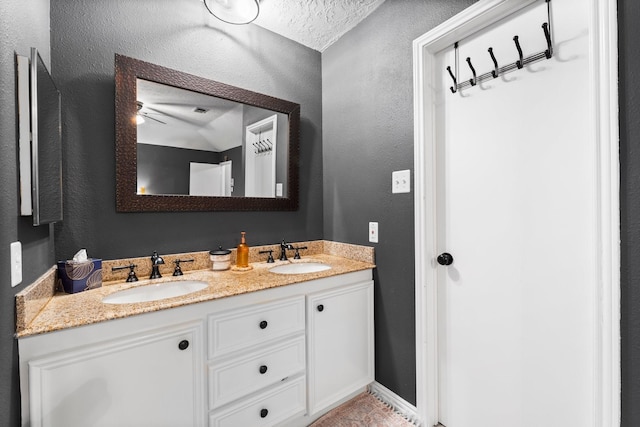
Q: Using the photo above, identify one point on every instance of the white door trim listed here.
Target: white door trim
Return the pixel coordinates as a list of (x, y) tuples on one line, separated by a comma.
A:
[(604, 110)]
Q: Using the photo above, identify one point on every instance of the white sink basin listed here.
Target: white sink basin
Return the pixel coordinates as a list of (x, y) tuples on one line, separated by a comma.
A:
[(300, 268), (155, 292)]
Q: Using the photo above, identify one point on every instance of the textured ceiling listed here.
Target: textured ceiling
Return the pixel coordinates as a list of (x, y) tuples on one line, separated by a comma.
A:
[(314, 23)]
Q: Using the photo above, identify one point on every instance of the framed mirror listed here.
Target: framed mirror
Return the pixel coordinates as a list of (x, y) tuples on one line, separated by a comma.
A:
[(186, 143)]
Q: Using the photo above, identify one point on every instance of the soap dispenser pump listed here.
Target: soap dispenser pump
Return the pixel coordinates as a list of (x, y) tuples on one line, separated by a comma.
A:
[(242, 252)]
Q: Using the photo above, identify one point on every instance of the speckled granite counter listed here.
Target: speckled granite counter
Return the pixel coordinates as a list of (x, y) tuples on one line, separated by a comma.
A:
[(40, 309)]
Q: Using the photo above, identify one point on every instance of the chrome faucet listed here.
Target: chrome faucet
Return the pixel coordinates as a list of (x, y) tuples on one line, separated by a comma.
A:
[(283, 250), (156, 261)]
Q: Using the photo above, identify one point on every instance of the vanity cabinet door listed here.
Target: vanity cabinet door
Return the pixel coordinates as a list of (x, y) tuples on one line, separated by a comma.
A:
[(340, 343), (146, 379)]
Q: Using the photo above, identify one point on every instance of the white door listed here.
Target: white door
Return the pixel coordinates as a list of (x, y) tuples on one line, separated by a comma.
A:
[(516, 197), (260, 158), (206, 179), (227, 178)]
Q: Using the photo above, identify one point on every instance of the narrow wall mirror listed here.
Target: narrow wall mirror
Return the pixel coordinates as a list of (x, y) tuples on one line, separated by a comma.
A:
[(186, 143), (40, 139)]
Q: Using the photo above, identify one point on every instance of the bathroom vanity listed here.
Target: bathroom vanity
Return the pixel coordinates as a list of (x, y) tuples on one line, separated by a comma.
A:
[(281, 355)]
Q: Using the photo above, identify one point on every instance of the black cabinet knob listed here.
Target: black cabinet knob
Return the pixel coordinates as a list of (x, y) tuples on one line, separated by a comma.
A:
[(263, 324), (263, 369), (264, 413), (445, 259), (320, 307), (183, 345)]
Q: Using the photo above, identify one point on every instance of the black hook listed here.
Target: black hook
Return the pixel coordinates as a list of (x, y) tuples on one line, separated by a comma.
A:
[(454, 88), (494, 73), (519, 63), (547, 35), (473, 70)]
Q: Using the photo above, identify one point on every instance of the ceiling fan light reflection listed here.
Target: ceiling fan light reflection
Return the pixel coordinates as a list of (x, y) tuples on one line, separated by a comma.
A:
[(139, 119), (234, 11)]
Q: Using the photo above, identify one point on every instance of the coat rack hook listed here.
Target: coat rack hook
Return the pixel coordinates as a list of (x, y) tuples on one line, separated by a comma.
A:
[(454, 88), (549, 52), (494, 73), (473, 70), (519, 63)]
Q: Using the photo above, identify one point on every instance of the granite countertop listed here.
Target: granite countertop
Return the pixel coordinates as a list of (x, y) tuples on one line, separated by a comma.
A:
[(39, 313)]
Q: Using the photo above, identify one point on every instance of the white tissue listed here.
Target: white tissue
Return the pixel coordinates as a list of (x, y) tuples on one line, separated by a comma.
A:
[(80, 256)]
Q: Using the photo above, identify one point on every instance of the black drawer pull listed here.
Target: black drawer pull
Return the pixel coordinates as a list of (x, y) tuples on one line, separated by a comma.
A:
[(320, 307), (263, 324), (263, 369), (264, 413), (183, 345)]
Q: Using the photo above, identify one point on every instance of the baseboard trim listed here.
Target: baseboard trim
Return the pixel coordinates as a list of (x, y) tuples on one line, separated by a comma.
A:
[(398, 404)]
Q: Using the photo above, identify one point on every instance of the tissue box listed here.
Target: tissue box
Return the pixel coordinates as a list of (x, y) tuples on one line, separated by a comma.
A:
[(80, 276)]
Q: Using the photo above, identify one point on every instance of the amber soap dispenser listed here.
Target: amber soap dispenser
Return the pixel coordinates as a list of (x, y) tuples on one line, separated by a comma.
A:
[(242, 253)]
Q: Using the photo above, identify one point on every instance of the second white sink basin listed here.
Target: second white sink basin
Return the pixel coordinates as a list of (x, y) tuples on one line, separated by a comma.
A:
[(300, 268), (156, 292)]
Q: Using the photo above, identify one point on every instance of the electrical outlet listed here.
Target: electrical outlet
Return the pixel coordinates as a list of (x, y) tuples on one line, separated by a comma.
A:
[(16, 263), (373, 232), (401, 181)]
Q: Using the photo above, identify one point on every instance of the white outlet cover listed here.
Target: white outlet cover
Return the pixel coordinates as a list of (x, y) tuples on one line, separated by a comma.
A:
[(16, 264), (373, 232), (401, 181)]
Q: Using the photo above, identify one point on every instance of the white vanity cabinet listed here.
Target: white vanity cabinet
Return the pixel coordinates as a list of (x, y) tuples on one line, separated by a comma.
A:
[(153, 377), (340, 342), (266, 358)]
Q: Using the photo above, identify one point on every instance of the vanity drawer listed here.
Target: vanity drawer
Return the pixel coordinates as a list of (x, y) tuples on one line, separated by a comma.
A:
[(267, 409), (241, 376), (238, 329)]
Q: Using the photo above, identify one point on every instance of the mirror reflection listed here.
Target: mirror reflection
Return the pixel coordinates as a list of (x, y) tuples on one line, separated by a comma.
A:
[(190, 143)]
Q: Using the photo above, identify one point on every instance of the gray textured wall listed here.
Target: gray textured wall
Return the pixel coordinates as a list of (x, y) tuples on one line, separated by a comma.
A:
[(629, 90), (367, 102), (23, 24), (177, 34)]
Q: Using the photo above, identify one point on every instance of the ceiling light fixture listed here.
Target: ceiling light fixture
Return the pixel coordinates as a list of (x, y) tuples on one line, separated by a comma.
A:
[(236, 12)]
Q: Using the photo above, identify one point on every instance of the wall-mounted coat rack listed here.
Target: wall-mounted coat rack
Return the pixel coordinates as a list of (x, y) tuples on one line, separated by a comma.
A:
[(497, 70), (262, 145)]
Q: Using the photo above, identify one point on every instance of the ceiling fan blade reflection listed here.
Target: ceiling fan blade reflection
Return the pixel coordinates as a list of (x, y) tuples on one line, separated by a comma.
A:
[(147, 116)]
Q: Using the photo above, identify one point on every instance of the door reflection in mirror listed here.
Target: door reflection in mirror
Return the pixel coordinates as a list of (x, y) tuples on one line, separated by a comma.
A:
[(189, 143)]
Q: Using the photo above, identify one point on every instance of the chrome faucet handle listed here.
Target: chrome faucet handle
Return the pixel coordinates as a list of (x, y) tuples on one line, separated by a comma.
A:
[(178, 270), (132, 274)]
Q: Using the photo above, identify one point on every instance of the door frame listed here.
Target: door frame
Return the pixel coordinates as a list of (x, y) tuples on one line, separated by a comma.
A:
[(603, 77)]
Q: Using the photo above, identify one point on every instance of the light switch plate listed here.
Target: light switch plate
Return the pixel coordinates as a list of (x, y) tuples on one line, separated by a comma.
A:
[(373, 232), (16, 264), (401, 181)]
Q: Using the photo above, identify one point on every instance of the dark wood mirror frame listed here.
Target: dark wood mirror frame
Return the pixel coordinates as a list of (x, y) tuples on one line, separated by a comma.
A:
[(127, 71)]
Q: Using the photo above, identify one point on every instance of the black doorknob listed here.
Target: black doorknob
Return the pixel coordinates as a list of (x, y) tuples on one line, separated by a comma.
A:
[(445, 259), (320, 307), (183, 345)]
